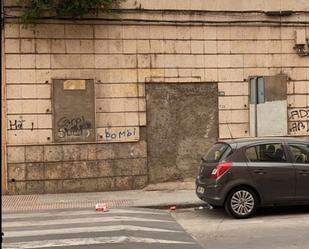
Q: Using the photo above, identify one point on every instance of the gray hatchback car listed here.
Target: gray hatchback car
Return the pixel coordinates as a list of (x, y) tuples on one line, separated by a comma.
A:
[(243, 174)]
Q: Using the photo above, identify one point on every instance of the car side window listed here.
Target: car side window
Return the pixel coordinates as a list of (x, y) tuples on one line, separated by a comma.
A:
[(300, 152), (266, 153)]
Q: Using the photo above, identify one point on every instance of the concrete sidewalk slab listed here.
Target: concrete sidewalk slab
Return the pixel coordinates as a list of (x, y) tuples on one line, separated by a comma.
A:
[(177, 193)]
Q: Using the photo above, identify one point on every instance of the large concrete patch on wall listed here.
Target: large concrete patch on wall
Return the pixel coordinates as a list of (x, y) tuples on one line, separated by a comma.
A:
[(182, 123)]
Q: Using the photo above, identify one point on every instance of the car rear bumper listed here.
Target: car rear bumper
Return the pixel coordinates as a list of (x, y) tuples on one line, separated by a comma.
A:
[(210, 193)]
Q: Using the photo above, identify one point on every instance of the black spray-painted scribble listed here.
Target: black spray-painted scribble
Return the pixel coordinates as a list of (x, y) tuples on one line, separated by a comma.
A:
[(16, 124), (299, 114), (299, 126), (73, 127), (299, 117), (125, 133), (19, 125)]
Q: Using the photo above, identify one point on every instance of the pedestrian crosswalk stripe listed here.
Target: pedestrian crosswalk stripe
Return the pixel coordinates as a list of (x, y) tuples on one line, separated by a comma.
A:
[(75, 230), (81, 220), (80, 212), (88, 241)]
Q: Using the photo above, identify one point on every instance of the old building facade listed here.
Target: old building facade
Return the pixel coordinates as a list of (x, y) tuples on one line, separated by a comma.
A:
[(110, 103)]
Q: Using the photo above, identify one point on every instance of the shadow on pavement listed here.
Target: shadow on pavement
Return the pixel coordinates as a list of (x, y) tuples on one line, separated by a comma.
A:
[(219, 212), (284, 210)]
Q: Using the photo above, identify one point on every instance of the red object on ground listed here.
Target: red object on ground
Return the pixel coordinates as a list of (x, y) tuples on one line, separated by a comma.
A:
[(101, 207), (172, 208)]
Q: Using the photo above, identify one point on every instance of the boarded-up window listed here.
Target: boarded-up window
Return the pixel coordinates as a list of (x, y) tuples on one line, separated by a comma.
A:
[(268, 106), (74, 112)]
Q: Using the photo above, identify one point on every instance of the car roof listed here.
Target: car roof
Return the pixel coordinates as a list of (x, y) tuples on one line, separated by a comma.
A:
[(251, 140)]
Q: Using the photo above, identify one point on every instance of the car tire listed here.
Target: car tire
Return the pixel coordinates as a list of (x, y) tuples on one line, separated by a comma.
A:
[(241, 203)]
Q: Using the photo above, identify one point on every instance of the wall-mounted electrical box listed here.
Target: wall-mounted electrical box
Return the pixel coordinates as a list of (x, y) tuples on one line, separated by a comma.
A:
[(300, 37), (301, 43)]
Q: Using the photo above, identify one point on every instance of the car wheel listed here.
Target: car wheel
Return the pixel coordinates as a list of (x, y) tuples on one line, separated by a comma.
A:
[(241, 203)]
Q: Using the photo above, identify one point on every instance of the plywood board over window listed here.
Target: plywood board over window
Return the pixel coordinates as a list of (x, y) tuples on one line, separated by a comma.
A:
[(74, 110)]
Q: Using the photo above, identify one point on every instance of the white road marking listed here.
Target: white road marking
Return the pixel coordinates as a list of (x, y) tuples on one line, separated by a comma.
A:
[(75, 230), (81, 220), (88, 241), (80, 212)]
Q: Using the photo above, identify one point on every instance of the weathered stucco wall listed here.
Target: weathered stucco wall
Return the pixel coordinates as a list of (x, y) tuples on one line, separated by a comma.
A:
[(121, 57), (182, 124)]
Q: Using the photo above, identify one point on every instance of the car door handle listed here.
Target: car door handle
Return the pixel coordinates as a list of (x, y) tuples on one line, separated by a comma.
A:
[(259, 171)]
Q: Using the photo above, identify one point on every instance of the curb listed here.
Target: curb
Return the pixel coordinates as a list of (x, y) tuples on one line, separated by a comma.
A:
[(162, 206), (178, 206)]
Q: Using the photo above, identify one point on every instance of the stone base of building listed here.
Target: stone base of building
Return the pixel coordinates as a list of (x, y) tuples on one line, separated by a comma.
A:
[(58, 168)]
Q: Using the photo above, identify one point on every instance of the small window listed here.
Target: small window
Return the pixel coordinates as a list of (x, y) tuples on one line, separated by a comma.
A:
[(266, 153), (300, 152), (216, 152)]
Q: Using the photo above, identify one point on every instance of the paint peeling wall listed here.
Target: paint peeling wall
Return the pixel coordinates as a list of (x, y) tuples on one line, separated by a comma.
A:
[(121, 57)]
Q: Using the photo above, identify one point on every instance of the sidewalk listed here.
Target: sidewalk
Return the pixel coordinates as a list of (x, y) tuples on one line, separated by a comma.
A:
[(181, 194)]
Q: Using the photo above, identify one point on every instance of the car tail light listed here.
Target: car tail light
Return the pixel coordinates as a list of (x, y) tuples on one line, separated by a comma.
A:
[(220, 169)]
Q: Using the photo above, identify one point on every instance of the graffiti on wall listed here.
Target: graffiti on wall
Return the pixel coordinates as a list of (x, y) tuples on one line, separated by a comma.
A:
[(18, 124), (76, 127), (299, 127), (299, 119), (120, 134), (297, 114)]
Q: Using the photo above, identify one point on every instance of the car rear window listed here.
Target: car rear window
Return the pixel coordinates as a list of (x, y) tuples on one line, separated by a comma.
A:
[(266, 153), (216, 152)]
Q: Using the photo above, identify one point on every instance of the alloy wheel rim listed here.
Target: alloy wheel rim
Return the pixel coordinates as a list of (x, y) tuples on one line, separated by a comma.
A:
[(242, 202)]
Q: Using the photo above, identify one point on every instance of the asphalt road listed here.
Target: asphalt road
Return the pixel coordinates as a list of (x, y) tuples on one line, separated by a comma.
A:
[(125, 228), (271, 228)]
